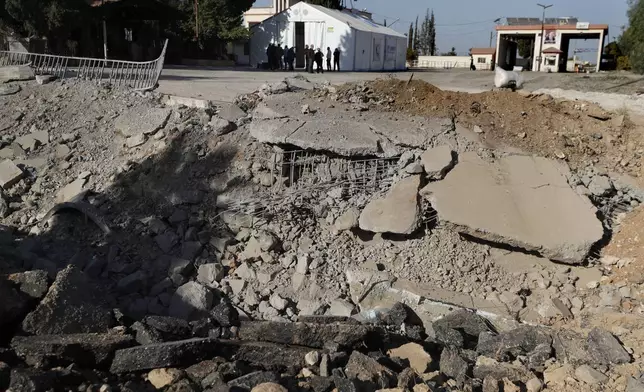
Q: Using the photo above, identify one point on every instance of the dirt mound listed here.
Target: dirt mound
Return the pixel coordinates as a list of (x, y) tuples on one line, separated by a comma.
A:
[(628, 244), (581, 133)]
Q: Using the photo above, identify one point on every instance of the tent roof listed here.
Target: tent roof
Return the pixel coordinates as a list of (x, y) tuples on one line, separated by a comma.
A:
[(354, 21)]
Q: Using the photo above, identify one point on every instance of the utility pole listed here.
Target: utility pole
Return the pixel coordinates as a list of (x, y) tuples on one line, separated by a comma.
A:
[(543, 21), (104, 30), (491, 35)]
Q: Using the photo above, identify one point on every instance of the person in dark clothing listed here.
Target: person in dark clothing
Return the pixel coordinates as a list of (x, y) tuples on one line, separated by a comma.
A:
[(271, 52), (328, 59), (290, 54), (319, 57), (310, 56), (306, 57), (279, 57), (336, 59), (285, 57)]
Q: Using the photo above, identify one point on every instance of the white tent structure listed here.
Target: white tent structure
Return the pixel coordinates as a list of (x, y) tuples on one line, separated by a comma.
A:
[(364, 44)]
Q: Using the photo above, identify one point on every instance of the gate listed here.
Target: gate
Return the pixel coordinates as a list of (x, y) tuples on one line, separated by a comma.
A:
[(119, 73)]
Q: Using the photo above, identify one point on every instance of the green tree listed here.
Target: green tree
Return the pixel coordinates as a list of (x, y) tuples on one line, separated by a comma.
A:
[(336, 4), (450, 53), (416, 37), (47, 18), (432, 35), (525, 48), (410, 37), (632, 40)]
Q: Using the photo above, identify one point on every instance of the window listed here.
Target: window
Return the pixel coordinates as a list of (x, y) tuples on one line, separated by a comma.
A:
[(481, 60), (551, 60), (246, 48)]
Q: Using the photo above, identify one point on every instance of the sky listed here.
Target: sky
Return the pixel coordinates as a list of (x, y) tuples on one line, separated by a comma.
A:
[(464, 24)]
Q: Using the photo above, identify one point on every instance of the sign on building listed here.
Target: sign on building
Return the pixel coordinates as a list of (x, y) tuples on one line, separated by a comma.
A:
[(583, 25)]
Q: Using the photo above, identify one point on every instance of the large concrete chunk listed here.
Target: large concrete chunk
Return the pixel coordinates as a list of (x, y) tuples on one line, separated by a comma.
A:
[(319, 135), (437, 161), (10, 174), (141, 120), (398, 212), (154, 356), (73, 304), (304, 334), (521, 201), (16, 72), (90, 350)]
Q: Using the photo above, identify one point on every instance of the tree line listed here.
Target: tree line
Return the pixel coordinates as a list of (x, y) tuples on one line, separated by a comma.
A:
[(422, 39), (630, 46), (64, 21)]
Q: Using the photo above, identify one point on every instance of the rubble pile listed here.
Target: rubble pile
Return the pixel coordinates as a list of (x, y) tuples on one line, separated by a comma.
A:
[(306, 238)]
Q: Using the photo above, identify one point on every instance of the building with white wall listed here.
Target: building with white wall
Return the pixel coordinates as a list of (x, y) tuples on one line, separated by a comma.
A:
[(257, 15), (550, 50), (484, 58), (364, 45)]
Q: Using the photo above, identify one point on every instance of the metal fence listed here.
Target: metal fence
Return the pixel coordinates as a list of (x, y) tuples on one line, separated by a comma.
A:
[(119, 73)]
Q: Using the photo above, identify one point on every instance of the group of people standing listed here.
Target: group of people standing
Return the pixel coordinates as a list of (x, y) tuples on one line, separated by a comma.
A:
[(283, 58)]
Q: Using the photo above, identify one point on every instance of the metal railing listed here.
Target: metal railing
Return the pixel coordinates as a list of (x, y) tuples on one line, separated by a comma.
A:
[(119, 73)]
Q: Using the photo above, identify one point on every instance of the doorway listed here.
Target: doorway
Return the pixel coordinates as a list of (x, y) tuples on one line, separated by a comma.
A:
[(299, 44)]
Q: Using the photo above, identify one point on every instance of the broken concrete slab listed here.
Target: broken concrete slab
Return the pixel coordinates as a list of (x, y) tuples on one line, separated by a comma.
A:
[(141, 120), (398, 212), (171, 354), (71, 191), (520, 201), (269, 356), (231, 112), (10, 174), (437, 162), (73, 304), (221, 126), (304, 334), (9, 89), (16, 73), (368, 370), (31, 141), (362, 141), (88, 349)]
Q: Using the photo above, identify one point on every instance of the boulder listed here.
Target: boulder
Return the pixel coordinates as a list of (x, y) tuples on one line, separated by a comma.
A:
[(368, 370), (605, 349), (73, 304), (520, 201), (13, 306), (452, 365), (460, 329), (398, 212), (418, 358), (348, 220), (589, 375), (163, 377), (221, 126), (488, 367), (513, 343), (190, 301), (89, 349), (269, 387), (251, 380)]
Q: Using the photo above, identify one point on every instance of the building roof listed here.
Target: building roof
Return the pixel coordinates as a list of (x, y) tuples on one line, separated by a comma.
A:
[(552, 50), (355, 21), (490, 51), (552, 27)]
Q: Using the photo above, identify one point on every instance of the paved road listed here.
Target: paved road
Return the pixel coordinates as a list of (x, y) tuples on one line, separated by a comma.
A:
[(224, 84)]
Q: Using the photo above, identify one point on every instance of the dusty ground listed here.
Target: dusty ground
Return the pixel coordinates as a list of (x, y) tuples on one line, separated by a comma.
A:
[(146, 192), (224, 84), (628, 243)]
